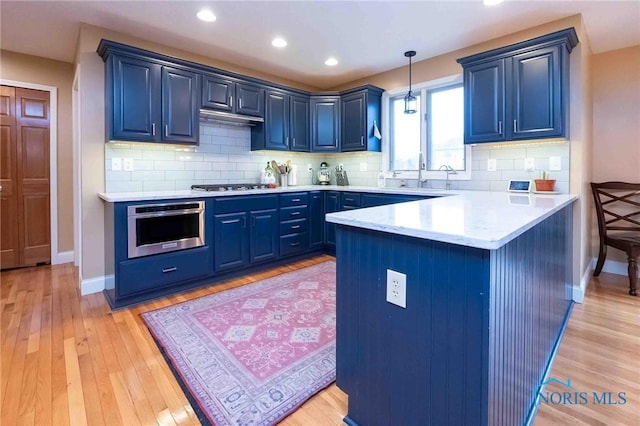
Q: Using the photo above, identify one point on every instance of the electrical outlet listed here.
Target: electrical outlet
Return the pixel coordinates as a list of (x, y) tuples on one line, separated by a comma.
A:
[(363, 167), (492, 165), (555, 164), (309, 167), (396, 288), (529, 164), (128, 164), (116, 164)]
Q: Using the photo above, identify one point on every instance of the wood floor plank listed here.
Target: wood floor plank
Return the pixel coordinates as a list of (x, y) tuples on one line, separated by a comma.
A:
[(69, 360)]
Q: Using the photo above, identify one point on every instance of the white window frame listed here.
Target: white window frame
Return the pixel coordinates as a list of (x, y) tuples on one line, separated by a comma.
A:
[(422, 88)]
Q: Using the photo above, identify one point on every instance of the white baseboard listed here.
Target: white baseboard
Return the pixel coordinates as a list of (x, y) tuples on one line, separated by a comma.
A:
[(64, 257), (578, 292), (615, 267), (95, 285)]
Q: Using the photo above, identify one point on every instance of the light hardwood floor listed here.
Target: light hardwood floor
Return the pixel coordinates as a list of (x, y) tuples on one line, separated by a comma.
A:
[(67, 359)]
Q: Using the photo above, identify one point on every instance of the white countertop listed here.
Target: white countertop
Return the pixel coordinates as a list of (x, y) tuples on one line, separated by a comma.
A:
[(485, 220), (117, 197)]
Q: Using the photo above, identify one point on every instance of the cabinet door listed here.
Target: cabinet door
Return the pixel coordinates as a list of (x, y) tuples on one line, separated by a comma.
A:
[(316, 219), (484, 115), (218, 93), (332, 204), (263, 239), (277, 121), (134, 86), (325, 124), (299, 124), (537, 94), (250, 99), (179, 106), (354, 122), (231, 241)]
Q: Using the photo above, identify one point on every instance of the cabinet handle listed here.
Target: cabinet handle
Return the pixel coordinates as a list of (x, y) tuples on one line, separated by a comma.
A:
[(244, 222), (293, 142), (166, 130), (295, 226), (295, 200), (153, 129), (286, 141), (294, 244), (231, 101), (515, 126), (171, 269), (295, 213), (362, 140), (500, 127), (240, 103)]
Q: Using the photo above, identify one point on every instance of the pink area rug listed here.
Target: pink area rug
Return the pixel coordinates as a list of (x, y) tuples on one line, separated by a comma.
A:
[(253, 354)]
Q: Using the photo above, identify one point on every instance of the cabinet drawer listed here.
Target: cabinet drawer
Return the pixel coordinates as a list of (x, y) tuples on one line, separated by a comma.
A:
[(158, 271), (349, 199), (290, 213), (295, 199), (293, 226), (295, 243), (240, 203)]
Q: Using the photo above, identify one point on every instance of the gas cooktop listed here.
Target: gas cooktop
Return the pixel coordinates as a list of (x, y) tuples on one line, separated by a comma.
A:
[(227, 187)]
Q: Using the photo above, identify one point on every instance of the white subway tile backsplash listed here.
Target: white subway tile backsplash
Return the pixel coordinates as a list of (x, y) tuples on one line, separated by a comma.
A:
[(224, 156)]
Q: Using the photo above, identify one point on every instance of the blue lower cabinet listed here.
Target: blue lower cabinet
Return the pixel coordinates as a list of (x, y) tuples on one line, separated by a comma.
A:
[(294, 243), (231, 241), (263, 240), (316, 220), (332, 204), (155, 272), (372, 200)]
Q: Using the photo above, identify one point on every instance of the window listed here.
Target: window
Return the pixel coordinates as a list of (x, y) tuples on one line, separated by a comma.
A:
[(436, 129)]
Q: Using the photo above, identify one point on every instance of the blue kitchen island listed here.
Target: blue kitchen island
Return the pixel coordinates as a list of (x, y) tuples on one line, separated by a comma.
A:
[(488, 293)]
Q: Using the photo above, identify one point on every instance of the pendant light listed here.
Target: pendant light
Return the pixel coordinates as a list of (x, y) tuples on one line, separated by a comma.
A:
[(410, 101)]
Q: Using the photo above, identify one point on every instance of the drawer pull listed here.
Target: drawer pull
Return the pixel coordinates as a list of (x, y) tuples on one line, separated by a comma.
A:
[(295, 227), (295, 200), (294, 244), (349, 199), (295, 213), (167, 270)]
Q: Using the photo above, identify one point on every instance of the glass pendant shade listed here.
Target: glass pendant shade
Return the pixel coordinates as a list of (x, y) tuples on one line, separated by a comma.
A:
[(410, 101)]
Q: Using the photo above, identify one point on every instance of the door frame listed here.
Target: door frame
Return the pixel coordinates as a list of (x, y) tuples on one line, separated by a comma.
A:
[(53, 158)]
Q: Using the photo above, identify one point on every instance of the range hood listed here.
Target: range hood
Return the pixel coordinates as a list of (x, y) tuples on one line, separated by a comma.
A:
[(212, 116)]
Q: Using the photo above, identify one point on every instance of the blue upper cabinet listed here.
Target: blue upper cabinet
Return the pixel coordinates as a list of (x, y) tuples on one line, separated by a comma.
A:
[(250, 99), (179, 106), (148, 101), (133, 88), (277, 120), (325, 123), (299, 123), (359, 111), (225, 94), (484, 108), (519, 91)]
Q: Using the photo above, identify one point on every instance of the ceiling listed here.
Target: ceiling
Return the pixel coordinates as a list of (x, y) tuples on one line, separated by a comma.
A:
[(367, 37)]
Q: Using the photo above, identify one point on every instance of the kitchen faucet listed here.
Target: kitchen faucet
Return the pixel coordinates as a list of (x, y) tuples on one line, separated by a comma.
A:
[(450, 171)]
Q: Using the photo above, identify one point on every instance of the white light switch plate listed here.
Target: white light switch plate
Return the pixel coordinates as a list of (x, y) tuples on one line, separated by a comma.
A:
[(396, 288), (529, 164), (492, 165), (116, 164), (128, 164), (555, 164)]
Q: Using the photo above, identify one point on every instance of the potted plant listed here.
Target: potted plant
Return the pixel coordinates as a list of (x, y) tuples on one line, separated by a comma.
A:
[(545, 184)]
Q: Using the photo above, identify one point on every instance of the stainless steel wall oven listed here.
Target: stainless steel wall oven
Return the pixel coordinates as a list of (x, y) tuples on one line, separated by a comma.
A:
[(162, 228)]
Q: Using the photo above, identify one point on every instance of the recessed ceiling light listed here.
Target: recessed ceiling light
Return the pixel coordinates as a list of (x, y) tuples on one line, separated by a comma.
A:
[(279, 42), (206, 15), (331, 62), (492, 2)]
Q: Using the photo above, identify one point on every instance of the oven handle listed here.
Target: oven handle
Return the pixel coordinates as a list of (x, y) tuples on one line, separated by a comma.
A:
[(167, 213)]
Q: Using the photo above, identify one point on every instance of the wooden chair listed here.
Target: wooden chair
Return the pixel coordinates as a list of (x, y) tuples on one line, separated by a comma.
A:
[(618, 212)]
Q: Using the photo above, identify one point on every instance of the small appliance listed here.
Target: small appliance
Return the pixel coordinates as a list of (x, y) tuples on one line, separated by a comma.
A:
[(324, 174), (341, 176)]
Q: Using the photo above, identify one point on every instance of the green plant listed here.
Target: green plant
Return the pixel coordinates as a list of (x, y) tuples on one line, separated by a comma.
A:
[(545, 175)]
